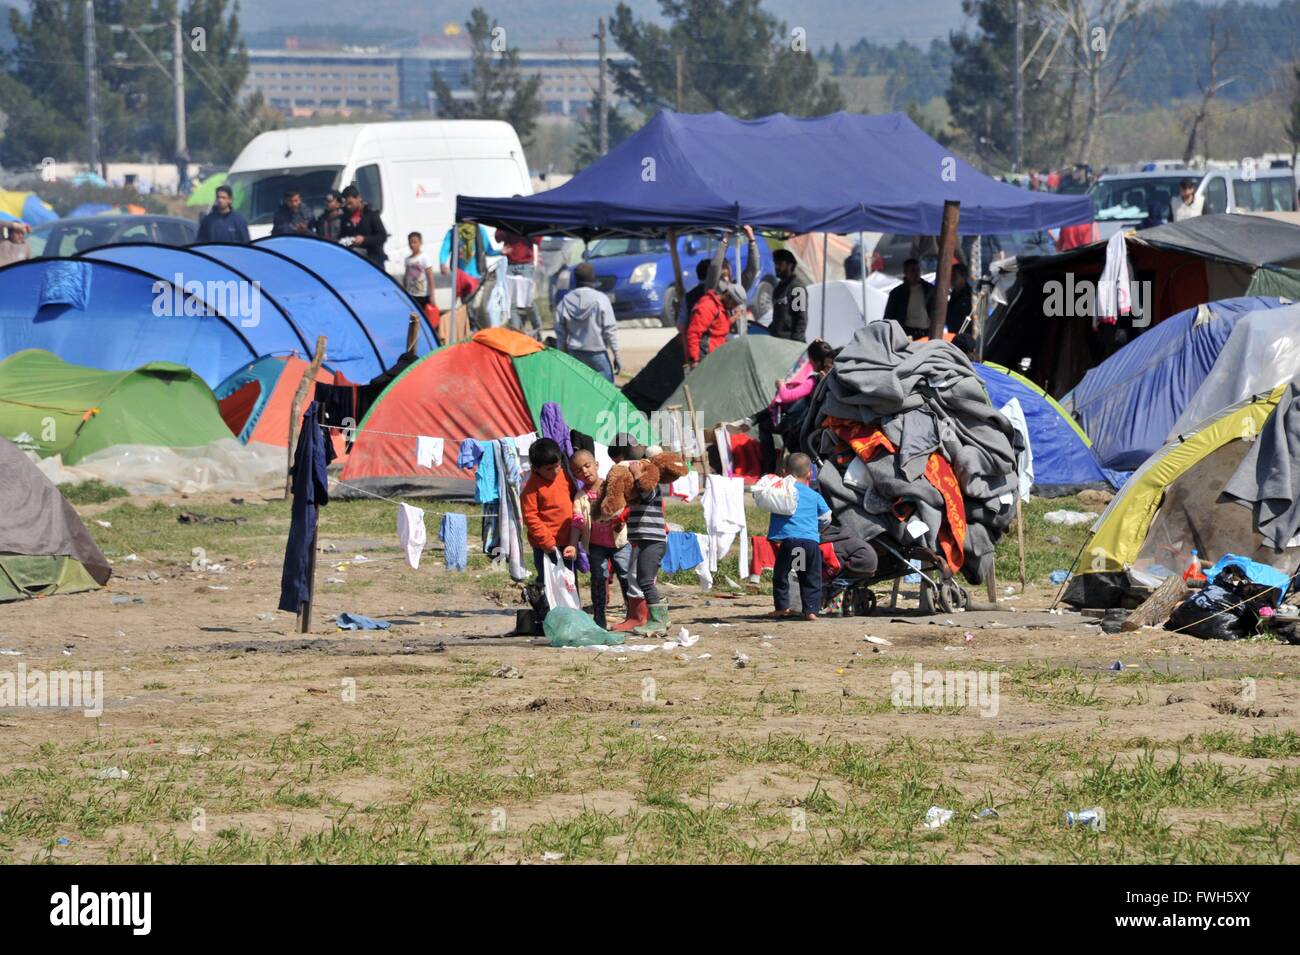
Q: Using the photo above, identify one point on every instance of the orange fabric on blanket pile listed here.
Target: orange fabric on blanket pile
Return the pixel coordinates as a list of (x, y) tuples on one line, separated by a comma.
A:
[(864, 439), (952, 533)]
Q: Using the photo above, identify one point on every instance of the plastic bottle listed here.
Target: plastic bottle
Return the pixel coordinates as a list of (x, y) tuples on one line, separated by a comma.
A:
[(1193, 574)]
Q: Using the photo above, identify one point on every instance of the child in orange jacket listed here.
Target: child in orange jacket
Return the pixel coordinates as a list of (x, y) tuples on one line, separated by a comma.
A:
[(547, 504)]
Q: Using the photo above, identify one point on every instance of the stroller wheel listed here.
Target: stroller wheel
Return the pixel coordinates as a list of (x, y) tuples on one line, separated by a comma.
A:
[(951, 596)]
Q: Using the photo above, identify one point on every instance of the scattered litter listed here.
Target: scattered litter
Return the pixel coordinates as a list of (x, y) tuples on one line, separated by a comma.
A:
[(969, 636), (130, 557), (104, 523), (840, 671), (193, 750), (335, 580), (1056, 611), (217, 587), (1059, 577), (361, 559), (1116, 666), (986, 814), (878, 641), (215, 568), (936, 817), (112, 772), (662, 739), (124, 599), (1069, 518), (1094, 819), (742, 660), (682, 657), (706, 656), (356, 621), (715, 626), (264, 615), (62, 841), (687, 639), (1267, 611), (67, 653), (1009, 591), (507, 672), (552, 856), (11, 653), (190, 517)]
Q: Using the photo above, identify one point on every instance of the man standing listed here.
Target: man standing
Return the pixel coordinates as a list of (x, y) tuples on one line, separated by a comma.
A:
[(909, 303), (329, 224), (521, 263), (1187, 204), (711, 321), (959, 299), (223, 223), (363, 230), (584, 324), (789, 300), (15, 247), (291, 218)]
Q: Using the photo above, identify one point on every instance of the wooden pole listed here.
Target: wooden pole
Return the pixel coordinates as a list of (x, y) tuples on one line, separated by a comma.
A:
[(1020, 540), (825, 258), (304, 608), (699, 432), (295, 412), (943, 276), (413, 332)]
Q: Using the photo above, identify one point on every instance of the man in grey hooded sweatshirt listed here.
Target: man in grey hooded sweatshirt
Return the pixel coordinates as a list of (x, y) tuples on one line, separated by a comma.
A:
[(584, 324)]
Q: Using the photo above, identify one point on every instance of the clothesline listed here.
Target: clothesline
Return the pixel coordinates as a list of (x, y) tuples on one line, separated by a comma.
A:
[(402, 434), (395, 500)]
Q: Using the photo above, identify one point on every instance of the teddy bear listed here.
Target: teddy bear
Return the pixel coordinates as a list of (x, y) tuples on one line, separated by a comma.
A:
[(662, 468)]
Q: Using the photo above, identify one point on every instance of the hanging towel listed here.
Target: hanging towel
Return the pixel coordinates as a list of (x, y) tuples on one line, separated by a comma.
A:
[(555, 428), (682, 553), (1113, 289), (411, 533), (708, 563), (724, 518), (485, 478), (428, 451), (508, 533), (508, 460), (764, 555), (454, 534)]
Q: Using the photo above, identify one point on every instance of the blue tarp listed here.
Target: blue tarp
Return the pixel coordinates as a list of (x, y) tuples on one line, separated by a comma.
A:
[(1063, 461), (1129, 403), (841, 173)]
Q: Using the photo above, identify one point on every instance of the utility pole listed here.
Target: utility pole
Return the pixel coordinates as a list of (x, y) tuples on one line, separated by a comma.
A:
[(1020, 88), (603, 105), (92, 83), (681, 67), (178, 81)]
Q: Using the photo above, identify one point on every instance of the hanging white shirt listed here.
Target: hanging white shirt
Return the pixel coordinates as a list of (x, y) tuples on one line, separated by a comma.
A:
[(411, 533), (428, 451)]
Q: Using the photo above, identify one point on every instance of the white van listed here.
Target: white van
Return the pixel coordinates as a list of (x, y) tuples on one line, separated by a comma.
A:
[(1124, 200), (408, 172)]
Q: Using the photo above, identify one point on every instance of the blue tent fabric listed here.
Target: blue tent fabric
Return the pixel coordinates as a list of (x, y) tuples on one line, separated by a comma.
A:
[(840, 173), (266, 372), (1129, 403), (1063, 461), (36, 211), (67, 283), (90, 209)]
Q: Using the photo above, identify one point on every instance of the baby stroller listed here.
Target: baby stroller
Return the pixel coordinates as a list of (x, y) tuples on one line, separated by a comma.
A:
[(848, 593)]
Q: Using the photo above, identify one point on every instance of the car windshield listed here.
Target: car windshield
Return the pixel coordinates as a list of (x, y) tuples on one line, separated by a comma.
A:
[(605, 248), (1133, 198), (68, 238), (257, 194)]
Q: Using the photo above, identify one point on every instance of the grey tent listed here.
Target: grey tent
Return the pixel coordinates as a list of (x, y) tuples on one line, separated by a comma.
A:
[(44, 547)]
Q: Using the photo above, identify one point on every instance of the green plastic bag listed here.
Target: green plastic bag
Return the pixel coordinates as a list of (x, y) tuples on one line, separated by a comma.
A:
[(566, 627)]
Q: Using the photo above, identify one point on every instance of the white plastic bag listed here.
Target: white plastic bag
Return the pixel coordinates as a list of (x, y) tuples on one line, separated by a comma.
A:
[(776, 495), (561, 585)]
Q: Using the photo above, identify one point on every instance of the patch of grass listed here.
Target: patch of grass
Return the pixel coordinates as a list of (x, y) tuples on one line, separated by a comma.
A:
[(1262, 746), (93, 491)]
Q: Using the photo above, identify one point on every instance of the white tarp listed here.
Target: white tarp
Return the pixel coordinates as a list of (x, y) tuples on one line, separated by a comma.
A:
[(1262, 352), (222, 466)]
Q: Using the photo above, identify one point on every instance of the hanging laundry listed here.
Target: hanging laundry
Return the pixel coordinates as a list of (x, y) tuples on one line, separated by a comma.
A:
[(468, 455), (723, 439), (708, 562), (454, 534), (682, 552), (687, 487), (764, 555), (603, 461), (724, 518), (508, 460), (411, 533), (428, 451), (310, 493), (479, 456)]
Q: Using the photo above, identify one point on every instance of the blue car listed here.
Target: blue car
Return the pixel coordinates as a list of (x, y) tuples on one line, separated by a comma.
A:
[(637, 274)]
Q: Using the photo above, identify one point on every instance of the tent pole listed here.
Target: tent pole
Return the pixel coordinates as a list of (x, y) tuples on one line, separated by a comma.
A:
[(825, 254), (744, 322), (943, 280), (862, 247), (677, 284), (455, 264)]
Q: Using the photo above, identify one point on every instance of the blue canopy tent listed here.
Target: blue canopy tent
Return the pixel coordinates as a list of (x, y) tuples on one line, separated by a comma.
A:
[(1064, 462), (841, 173), (371, 293), (1130, 402)]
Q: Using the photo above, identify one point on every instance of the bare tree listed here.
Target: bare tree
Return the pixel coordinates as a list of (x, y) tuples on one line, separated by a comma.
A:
[(1096, 59), (1209, 85)]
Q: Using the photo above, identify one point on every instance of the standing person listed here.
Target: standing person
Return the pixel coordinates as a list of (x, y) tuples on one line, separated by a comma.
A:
[(15, 247), (417, 277), (363, 231), (785, 415), (799, 533), (585, 326), (1187, 204), (909, 303), (711, 321), (648, 533), (329, 224), (521, 261), (472, 250), (710, 273), (291, 218), (789, 299), (959, 299), (546, 503), (222, 223), (604, 541)]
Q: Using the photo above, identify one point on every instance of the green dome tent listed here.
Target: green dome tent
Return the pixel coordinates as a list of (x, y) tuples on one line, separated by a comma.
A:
[(738, 379), (44, 547), (52, 407)]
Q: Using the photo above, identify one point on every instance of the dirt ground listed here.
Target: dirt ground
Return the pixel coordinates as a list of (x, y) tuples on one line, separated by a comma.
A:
[(246, 741)]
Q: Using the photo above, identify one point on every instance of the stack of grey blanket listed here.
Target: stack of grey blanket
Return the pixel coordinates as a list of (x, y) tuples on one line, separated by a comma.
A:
[(925, 397)]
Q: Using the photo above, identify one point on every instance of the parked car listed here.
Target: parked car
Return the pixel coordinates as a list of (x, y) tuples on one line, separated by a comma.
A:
[(637, 274), (1140, 199), (64, 237)]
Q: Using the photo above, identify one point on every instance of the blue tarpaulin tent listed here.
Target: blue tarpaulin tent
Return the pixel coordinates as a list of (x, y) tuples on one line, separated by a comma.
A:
[(840, 173), (1063, 459), (119, 307), (1130, 402)]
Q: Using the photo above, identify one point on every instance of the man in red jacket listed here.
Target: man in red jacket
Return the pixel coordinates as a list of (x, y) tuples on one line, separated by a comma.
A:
[(711, 320)]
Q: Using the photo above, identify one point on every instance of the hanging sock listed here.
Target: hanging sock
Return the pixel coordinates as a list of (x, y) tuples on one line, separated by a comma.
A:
[(454, 534)]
